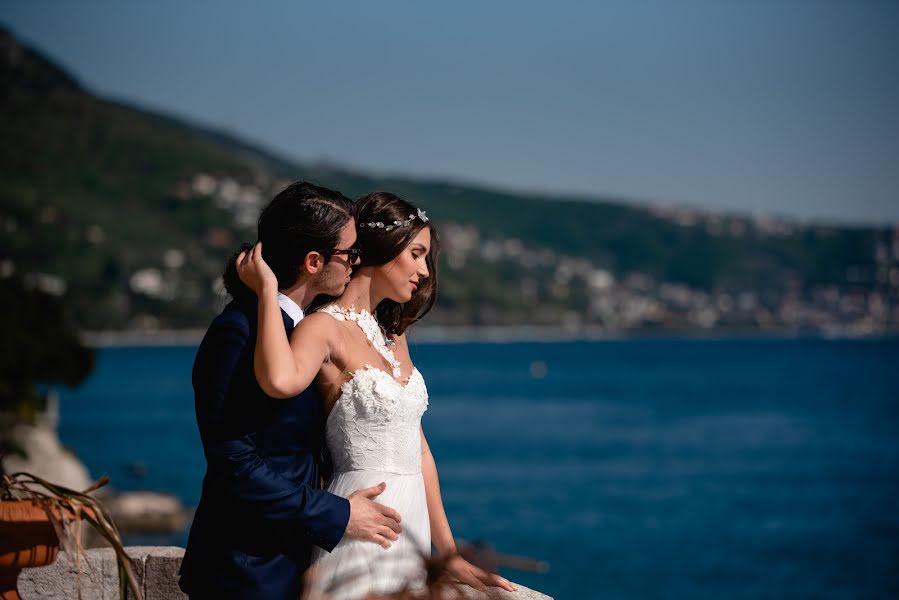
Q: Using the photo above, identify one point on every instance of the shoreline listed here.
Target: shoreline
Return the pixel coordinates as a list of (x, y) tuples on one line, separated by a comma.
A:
[(505, 335)]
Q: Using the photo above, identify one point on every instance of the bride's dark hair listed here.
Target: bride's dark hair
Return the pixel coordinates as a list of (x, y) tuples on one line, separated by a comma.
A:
[(380, 246)]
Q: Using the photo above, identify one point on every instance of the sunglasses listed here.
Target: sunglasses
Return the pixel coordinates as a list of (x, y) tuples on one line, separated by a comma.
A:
[(352, 254)]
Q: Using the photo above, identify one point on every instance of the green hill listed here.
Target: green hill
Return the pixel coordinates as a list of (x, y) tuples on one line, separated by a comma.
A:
[(130, 215)]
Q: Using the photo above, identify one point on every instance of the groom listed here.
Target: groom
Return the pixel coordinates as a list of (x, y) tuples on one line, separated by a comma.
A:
[(261, 509)]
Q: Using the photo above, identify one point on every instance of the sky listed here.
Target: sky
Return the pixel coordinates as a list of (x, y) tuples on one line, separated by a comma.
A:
[(759, 107)]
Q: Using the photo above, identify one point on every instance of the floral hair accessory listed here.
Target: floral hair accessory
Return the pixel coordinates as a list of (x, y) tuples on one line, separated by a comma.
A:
[(391, 226)]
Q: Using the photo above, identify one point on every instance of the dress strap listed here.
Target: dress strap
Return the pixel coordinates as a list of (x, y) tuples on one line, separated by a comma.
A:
[(333, 310), (370, 328)]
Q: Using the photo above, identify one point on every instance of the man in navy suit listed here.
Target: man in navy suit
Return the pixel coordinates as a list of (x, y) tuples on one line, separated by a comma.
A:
[(261, 508)]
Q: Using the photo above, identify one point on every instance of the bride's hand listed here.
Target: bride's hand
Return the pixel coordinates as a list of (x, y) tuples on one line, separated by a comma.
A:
[(474, 576), (255, 272)]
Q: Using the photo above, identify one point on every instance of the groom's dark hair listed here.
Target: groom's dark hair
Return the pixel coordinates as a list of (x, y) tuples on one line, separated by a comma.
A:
[(302, 218)]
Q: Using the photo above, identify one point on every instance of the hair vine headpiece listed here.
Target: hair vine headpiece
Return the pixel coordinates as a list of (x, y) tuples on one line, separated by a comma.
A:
[(389, 227)]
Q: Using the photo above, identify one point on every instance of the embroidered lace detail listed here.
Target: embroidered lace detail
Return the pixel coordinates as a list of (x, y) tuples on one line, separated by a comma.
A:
[(374, 425), (372, 330)]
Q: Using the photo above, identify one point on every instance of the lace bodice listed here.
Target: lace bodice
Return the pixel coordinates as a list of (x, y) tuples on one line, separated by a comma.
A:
[(374, 425)]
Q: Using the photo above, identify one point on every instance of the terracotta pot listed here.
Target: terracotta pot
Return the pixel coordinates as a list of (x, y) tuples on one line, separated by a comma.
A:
[(27, 539)]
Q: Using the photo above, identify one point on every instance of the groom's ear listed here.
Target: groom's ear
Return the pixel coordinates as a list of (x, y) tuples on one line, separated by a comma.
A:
[(313, 263)]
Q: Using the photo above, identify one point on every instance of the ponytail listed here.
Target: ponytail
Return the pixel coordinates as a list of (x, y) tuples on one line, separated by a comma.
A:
[(236, 288)]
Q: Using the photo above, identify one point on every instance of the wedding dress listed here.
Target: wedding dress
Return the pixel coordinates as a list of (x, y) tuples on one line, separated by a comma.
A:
[(373, 436)]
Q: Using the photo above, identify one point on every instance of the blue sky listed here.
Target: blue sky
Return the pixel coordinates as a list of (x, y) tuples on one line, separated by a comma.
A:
[(778, 107)]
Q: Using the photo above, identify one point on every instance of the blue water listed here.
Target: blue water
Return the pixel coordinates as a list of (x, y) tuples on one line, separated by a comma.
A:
[(692, 469)]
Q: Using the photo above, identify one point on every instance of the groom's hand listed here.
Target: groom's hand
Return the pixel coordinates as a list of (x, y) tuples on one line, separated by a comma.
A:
[(370, 521)]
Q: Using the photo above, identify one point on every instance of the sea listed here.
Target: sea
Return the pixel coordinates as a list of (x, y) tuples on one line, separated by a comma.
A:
[(641, 468)]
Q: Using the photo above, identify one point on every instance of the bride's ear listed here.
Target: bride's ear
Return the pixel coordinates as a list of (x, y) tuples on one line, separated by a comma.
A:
[(313, 262)]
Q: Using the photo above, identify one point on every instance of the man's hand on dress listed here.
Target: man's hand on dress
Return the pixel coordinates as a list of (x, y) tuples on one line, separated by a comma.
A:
[(370, 521), (255, 272)]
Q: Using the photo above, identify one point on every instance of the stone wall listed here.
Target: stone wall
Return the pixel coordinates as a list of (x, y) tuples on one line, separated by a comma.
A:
[(156, 568), (157, 571)]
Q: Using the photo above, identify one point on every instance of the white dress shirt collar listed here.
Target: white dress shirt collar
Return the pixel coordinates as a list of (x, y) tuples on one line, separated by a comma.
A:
[(292, 309)]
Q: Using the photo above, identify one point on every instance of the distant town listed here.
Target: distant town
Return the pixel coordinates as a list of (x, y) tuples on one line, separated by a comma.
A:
[(607, 304), (130, 215)]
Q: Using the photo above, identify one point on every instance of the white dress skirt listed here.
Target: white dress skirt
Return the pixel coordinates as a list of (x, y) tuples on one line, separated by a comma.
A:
[(373, 435)]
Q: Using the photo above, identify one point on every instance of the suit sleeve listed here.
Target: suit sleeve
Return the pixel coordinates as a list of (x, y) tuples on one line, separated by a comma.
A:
[(233, 460)]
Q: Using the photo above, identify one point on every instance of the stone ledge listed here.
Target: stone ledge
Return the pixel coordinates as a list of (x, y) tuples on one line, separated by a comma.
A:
[(156, 568), (157, 571)]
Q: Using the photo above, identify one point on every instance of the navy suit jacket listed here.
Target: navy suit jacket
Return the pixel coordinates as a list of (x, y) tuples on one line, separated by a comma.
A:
[(261, 508)]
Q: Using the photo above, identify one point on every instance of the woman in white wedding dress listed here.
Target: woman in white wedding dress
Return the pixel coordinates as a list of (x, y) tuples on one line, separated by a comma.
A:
[(355, 348)]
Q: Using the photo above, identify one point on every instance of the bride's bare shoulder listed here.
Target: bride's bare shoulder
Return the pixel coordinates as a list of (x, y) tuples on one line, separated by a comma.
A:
[(315, 325), (320, 317)]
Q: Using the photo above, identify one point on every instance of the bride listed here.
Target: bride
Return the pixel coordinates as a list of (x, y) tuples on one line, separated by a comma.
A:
[(355, 349)]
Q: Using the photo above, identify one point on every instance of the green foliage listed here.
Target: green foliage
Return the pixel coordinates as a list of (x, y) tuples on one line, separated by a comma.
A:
[(38, 344)]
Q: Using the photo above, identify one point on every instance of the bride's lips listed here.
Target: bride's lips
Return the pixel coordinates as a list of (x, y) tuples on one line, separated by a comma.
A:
[(414, 285)]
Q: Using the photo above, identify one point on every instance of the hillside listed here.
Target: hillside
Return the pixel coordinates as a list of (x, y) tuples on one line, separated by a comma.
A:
[(130, 215)]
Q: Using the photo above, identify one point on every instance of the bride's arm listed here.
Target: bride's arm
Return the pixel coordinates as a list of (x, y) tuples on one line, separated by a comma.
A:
[(442, 536), (283, 367)]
